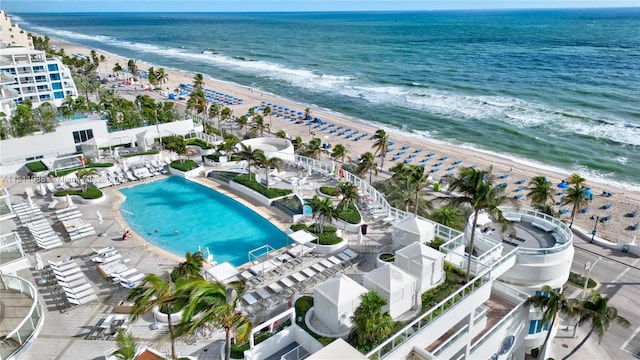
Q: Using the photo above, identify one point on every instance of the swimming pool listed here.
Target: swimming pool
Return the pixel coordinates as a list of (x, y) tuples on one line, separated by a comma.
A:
[(203, 218)]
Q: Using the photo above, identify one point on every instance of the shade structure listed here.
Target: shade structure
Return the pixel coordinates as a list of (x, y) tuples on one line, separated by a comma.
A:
[(338, 350), (395, 286), (302, 237), (335, 300), (224, 272), (422, 262), (410, 230)]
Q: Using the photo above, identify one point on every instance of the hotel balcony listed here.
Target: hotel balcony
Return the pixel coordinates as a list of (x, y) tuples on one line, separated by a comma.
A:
[(22, 315), (5, 78), (7, 93)]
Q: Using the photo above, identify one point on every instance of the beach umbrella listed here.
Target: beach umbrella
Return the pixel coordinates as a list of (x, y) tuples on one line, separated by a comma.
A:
[(69, 202), (563, 185)]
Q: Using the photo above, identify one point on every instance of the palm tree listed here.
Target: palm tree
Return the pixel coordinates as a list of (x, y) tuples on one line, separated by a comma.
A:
[(477, 191), (418, 179), (366, 163), (243, 123), (349, 193), (575, 196), (597, 311), (198, 102), (153, 80), (190, 268), (307, 113), (212, 304), (400, 194), (540, 192), (297, 144), (267, 112), (117, 68), (577, 180), (198, 81), (225, 114), (83, 174), (322, 210), (155, 291), (450, 216), (381, 145), (281, 134), (127, 346), (551, 302), (133, 68), (162, 75), (250, 155), (370, 324), (214, 110), (259, 124), (269, 163), (314, 148), (339, 152)]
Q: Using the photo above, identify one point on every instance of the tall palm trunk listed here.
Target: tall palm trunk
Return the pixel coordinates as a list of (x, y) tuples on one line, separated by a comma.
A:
[(227, 347), (170, 324), (575, 349), (546, 338), (416, 204), (573, 214), (471, 241)]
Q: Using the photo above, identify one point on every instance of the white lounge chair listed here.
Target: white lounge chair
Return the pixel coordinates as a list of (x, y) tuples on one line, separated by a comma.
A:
[(29, 191), (84, 300), (51, 188), (103, 250)]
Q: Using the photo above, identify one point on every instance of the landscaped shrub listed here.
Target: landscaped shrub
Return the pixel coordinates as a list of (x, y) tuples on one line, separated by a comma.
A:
[(199, 142), (150, 152), (254, 185), (184, 166), (90, 193), (303, 304), (578, 280), (436, 243), (60, 173), (328, 237), (37, 166), (350, 214), (454, 280), (329, 190)]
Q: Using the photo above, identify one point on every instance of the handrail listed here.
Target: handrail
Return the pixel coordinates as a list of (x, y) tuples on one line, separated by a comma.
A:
[(22, 333)]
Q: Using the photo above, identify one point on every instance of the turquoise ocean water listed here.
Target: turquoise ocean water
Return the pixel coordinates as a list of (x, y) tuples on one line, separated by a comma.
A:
[(558, 88)]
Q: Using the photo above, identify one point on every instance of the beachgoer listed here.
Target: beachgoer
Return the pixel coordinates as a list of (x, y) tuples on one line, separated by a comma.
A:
[(126, 235), (175, 231), (156, 230)]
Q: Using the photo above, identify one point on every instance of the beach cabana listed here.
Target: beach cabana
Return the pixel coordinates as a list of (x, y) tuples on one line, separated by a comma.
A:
[(335, 300), (412, 230), (146, 139), (394, 285), (91, 148), (301, 238), (423, 262), (224, 272)]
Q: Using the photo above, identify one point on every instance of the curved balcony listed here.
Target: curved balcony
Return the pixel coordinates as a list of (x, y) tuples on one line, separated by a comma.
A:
[(18, 327)]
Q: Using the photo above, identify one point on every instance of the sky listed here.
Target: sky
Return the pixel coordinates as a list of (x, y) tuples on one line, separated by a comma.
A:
[(45, 6)]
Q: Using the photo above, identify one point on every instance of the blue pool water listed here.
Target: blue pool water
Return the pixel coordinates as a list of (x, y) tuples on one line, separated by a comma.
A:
[(72, 118), (203, 217)]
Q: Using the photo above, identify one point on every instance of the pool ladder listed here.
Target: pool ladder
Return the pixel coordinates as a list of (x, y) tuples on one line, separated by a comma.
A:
[(208, 254)]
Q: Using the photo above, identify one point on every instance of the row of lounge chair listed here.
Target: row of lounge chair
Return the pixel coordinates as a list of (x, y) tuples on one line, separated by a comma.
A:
[(77, 229), (112, 266), (286, 286), (117, 175), (72, 282), (38, 226)]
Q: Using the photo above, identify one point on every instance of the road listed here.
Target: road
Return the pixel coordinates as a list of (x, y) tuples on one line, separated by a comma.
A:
[(619, 280)]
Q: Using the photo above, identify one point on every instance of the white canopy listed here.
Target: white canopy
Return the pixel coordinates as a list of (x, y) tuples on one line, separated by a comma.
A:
[(224, 272), (410, 230), (423, 262), (335, 300), (338, 350), (395, 285), (302, 237)]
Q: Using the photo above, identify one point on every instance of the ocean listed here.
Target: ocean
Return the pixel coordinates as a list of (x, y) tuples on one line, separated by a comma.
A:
[(557, 89)]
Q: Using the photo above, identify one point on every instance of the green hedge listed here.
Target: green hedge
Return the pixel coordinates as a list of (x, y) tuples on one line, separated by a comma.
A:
[(329, 190), (216, 157), (252, 184), (90, 193), (64, 172), (578, 280), (184, 166), (328, 237), (150, 152), (350, 214), (199, 142), (303, 304), (454, 279), (37, 166)]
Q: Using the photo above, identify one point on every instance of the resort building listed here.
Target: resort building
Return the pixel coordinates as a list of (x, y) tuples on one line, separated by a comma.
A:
[(12, 34), (36, 77)]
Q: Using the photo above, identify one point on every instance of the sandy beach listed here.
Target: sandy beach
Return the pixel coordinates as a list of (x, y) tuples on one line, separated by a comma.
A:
[(617, 230)]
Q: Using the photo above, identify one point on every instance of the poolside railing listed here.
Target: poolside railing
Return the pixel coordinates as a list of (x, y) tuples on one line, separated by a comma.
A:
[(13, 342)]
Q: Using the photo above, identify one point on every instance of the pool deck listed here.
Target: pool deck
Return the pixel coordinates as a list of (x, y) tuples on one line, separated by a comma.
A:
[(70, 333)]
